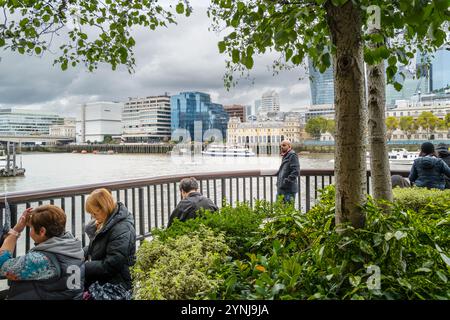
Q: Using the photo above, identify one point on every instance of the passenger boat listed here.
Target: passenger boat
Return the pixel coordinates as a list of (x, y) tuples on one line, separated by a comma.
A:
[(402, 156), (228, 151)]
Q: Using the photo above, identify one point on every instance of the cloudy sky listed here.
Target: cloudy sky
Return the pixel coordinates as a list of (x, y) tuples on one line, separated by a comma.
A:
[(182, 57)]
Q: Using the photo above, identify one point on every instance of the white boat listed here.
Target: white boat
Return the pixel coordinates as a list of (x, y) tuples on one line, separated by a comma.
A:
[(398, 156), (228, 151), (402, 156)]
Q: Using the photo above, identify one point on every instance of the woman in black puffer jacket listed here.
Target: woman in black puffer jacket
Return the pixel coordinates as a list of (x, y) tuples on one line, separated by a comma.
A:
[(112, 246)]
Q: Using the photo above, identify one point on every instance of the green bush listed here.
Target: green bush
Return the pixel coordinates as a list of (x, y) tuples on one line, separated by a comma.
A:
[(276, 252), (422, 199), (239, 224), (178, 268), (309, 259)]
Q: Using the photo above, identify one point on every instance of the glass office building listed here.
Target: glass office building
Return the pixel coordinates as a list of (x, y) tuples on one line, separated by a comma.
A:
[(322, 85), (195, 112), (18, 122), (440, 69)]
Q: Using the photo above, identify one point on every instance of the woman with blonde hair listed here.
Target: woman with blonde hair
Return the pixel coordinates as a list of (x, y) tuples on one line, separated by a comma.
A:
[(112, 245)]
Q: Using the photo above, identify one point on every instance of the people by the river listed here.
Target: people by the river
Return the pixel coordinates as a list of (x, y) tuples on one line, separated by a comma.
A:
[(399, 181), (444, 154), (112, 247), (428, 170), (288, 173), (191, 202), (53, 268)]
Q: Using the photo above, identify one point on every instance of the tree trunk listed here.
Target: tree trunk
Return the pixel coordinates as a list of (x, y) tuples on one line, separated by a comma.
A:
[(379, 160), (350, 110)]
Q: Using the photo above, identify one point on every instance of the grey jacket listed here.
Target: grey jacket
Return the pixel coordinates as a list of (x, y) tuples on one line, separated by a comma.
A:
[(66, 255), (445, 155), (288, 173), (429, 172)]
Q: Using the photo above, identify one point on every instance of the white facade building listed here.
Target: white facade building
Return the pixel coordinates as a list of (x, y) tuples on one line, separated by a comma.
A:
[(98, 119), (270, 102), (63, 130), (146, 119)]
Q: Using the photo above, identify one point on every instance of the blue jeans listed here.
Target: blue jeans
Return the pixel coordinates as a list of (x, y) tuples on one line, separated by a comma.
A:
[(288, 197)]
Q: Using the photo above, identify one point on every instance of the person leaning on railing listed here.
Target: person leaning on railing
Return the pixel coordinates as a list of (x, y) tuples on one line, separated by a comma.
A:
[(112, 245), (53, 269), (428, 170)]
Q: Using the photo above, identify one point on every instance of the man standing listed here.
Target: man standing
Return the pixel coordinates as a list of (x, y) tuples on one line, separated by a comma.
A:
[(288, 173), (191, 201)]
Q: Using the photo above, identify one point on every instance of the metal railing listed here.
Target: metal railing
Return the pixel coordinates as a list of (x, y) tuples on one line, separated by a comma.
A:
[(151, 200)]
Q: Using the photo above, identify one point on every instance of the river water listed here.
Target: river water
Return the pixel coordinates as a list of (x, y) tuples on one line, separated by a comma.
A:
[(54, 170)]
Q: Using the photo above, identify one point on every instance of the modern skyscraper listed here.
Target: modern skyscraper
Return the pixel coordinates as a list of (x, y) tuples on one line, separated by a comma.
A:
[(440, 69), (146, 119), (322, 85), (187, 108)]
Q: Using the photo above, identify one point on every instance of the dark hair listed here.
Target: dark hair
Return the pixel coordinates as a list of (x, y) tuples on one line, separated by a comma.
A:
[(427, 148), (51, 217), (188, 184)]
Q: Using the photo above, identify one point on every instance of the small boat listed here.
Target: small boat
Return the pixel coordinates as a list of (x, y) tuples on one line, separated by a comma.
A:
[(74, 151), (110, 152), (402, 156), (83, 152), (228, 151), (397, 156)]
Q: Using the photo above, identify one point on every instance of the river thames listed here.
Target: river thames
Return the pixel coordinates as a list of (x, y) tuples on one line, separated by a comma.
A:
[(54, 170)]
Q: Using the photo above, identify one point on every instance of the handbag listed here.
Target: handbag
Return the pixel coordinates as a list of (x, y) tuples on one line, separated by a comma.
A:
[(107, 291)]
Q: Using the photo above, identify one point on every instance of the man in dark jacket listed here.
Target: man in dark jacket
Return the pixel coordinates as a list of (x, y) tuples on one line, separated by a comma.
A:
[(288, 173), (111, 249), (191, 202), (442, 150), (428, 171)]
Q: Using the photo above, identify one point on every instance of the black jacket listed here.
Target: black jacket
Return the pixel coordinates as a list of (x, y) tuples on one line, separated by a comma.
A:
[(288, 173), (187, 208), (445, 155), (112, 250)]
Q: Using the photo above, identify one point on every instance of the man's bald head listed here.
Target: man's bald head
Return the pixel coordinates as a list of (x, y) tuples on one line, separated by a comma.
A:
[(285, 146), (286, 142)]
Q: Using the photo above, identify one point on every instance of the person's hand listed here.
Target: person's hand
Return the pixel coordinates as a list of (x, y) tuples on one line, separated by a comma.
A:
[(22, 223)]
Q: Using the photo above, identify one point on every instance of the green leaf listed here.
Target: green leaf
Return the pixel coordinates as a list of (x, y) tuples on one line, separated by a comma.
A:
[(64, 66), (400, 235), (354, 280), (288, 54), (442, 276), (180, 8), (2, 42), (235, 56), (398, 86), (38, 50), (21, 50), (221, 46), (423, 270)]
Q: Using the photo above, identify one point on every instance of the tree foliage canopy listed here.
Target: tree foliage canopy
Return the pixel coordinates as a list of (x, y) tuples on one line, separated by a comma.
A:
[(96, 31), (298, 29)]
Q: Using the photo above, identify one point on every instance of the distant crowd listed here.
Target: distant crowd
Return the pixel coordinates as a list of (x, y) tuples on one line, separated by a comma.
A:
[(59, 268)]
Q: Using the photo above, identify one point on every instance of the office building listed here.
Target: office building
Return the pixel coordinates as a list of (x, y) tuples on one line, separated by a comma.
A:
[(194, 112), (146, 119), (321, 84), (27, 122), (97, 120), (236, 110)]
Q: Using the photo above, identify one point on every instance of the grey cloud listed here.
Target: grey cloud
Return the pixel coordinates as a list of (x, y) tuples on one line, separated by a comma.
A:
[(182, 57)]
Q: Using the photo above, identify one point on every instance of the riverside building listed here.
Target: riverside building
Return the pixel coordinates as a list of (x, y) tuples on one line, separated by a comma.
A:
[(97, 120), (265, 132), (146, 120), (18, 122), (195, 113)]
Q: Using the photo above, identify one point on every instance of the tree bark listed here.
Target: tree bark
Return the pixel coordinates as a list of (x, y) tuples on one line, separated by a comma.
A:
[(350, 109), (379, 159)]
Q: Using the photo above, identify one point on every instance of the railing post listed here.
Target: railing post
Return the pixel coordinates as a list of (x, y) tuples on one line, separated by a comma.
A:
[(308, 193), (141, 211)]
